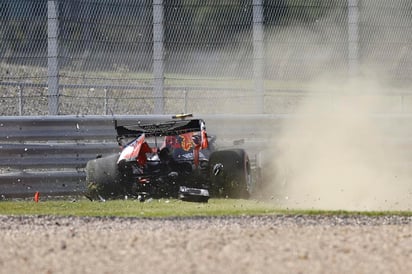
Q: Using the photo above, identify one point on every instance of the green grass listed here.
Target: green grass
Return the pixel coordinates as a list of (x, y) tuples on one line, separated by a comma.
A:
[(162, 208)]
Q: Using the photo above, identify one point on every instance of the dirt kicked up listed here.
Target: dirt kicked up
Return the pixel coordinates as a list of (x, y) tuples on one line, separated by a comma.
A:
[(270, 244)]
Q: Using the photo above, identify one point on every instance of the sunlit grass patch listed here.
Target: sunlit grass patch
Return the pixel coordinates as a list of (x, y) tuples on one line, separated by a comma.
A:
[(166, 208)]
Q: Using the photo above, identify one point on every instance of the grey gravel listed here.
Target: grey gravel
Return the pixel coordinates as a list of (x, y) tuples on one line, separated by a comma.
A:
[(257, 244)]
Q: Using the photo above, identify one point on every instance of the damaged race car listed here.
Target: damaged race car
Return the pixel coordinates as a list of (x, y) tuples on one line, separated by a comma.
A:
[(169, 159)]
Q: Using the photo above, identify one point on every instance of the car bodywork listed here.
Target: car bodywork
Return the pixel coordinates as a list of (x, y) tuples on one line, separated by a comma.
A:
[(174, 158)]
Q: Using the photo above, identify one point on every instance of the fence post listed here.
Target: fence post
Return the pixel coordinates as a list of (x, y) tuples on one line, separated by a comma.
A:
[(158, 58), (21, 100), (106, 101), (353, 38), (52, 56), (258, 55), (185, 99)]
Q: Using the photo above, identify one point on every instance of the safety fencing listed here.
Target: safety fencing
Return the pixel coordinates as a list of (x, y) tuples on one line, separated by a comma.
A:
[(140, 57)]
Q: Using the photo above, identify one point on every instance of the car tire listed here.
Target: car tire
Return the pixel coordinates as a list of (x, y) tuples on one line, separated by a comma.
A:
[(234, 178), (103, 179)]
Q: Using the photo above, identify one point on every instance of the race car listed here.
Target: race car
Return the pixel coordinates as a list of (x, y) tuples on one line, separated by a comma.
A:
[(169, 159)]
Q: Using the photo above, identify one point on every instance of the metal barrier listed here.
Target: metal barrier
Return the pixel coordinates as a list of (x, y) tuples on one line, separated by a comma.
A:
[(48, 154)]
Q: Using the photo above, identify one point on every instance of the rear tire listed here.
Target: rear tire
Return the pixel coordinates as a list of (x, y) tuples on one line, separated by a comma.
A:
[(103, 179), (234, 180)]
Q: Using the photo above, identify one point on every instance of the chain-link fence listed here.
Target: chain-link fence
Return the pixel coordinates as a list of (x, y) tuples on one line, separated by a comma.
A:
[(170, 56)]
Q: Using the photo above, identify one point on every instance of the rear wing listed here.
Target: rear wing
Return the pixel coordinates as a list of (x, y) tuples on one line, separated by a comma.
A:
[(167, 128)]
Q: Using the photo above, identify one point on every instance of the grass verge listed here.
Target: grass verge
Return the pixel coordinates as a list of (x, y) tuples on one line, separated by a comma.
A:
[(163, 208)]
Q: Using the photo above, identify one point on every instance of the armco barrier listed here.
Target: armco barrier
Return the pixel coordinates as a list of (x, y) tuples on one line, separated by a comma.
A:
[(48, 153)]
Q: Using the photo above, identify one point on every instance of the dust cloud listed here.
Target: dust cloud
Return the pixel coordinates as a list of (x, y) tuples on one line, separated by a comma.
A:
[(337, 153), (345, 147)]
